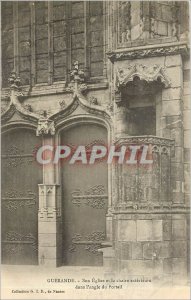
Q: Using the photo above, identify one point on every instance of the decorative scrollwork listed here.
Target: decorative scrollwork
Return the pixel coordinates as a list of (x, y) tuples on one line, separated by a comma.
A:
[(12, 200), (14, 249), (93, 248), (96, 236), (91, 241), (13, 238), (94, 197), (141, 53), (15, 157)]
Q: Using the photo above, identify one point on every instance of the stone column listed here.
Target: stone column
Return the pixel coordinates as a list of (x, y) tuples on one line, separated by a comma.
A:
[(172, 123), (49, 215)]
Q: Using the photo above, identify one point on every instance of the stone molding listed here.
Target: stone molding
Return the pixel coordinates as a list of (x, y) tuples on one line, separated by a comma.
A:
[(147, 139), (150, 51), (150, 208)]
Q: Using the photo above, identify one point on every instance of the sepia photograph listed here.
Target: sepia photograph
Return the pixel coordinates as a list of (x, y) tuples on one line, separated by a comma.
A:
[(95, 149)]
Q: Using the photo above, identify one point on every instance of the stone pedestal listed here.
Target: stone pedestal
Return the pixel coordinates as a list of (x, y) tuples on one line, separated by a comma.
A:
[(49, 225)]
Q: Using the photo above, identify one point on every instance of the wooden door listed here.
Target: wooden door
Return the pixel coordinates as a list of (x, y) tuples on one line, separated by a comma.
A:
[(85, 198), (20, 177)]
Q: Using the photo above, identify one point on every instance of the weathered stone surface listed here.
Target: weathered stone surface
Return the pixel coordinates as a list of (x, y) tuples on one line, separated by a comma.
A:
[(96, 69), (157, 230), (171, 108), (186, 90), (124, 251), (167, 230), (167, 265), (162, 249), (42, 31), (42, 62), (186, 75), (42, 76), (137, 250), (179, 266), (49, 227), (177, 135), (48, 253), (178, 230), (157, 268), (144, 230), (187, 138), (176, 76), (179, 249), (137, 267), (177, 171), (59, 44), (186, 102), (148, 250), (59, 11), (173, 61), (42, 46), (186, 119), (96, 54), (50, 239), (178, 155), (59, 29), (96, 8), (126, 230)]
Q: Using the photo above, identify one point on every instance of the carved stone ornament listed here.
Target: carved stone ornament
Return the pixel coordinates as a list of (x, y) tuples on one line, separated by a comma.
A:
[(93, 100), (14, 81), (149, 52), (76, 74), (62, 104), (45, 126), (14, 106), (149, 74)]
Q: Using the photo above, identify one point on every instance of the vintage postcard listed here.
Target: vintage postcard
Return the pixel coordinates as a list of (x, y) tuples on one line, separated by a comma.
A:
[(95, 150)]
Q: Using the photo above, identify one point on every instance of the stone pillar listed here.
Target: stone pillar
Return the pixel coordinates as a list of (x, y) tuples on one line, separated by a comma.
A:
[(49, 215), (172, 123), (121, 120)]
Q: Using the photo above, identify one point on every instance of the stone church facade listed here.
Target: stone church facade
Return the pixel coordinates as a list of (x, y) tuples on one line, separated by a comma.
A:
[(80, 73)]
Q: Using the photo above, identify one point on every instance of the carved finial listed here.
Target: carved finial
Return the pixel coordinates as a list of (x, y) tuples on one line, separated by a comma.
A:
[(76, 74), (93, 100), (14, 81)]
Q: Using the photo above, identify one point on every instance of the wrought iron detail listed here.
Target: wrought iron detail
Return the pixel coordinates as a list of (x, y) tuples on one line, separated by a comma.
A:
[(15, 241), (93, 248), (91, 241), (94, 197), (12, 200), (16, 157)]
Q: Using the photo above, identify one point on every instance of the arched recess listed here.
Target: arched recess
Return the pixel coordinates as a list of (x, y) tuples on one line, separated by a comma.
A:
[(20, 178), (85, 193)]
